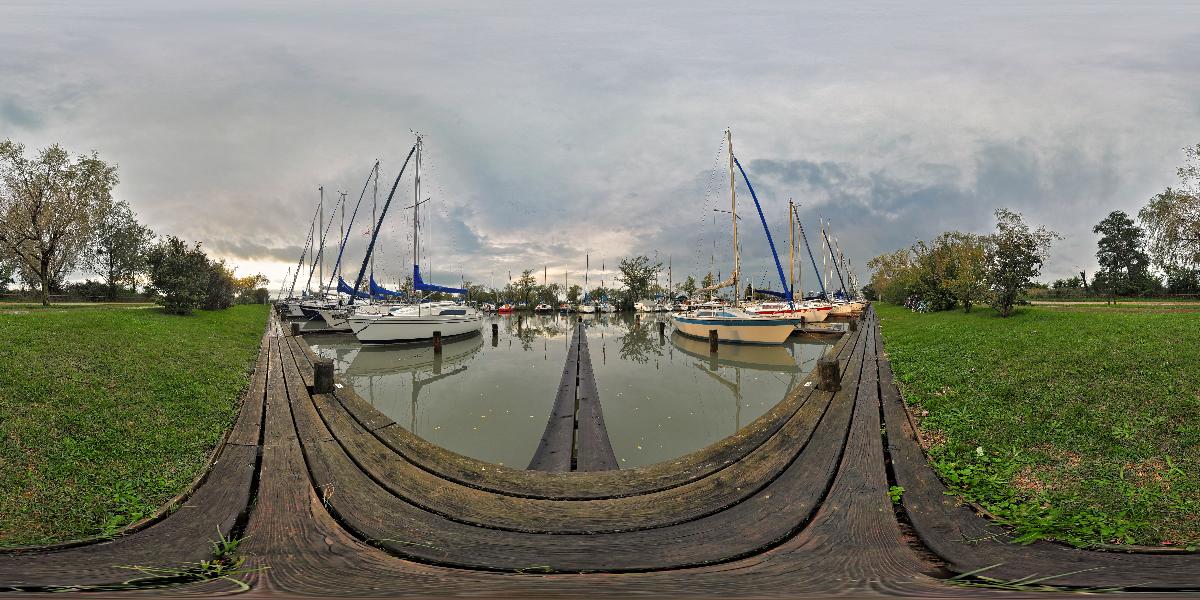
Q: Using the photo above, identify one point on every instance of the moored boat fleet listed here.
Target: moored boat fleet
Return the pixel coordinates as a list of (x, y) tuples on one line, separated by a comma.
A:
[(376, 315)]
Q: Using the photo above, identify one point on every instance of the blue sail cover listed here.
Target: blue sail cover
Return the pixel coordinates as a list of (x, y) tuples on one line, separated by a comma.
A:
[(419, 284), (345, 288), (378, 290)]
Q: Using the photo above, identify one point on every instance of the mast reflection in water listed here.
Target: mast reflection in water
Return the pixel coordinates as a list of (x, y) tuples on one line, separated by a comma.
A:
[(662, 396)]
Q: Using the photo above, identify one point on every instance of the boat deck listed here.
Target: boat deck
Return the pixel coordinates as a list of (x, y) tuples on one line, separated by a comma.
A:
[(332, 497)]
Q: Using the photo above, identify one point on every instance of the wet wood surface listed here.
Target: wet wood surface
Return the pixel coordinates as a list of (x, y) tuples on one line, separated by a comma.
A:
[(334, 498)]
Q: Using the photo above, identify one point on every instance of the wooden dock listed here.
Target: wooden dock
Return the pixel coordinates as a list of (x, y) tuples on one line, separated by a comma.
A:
[(333, 498)]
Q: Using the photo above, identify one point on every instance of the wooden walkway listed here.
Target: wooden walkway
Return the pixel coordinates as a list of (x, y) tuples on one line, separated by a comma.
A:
[(333, 498)]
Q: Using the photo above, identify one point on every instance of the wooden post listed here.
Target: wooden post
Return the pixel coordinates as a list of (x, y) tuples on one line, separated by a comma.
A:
[(802, 322), (323, 376), (829, 375), (712, 341), (437, 342), (662, 328), (295, 330), (853, 325), (495, 330)]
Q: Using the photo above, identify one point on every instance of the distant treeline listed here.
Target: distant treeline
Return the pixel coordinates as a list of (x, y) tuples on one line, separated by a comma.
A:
[(58, 217), (1158, 257)]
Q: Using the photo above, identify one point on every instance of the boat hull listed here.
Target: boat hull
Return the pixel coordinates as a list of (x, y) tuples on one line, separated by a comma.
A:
[(739, 331), (389, 329), (334, 322)]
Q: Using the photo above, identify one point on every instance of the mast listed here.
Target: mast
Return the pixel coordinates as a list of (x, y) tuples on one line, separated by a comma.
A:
[(321, 254), (338, 267), (791, 251), (733, 208), (307, 244), (670, 280), (416, 202), (375, 229), (374, 210)]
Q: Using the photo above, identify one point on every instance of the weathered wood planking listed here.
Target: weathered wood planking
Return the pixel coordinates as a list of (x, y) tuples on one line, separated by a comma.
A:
[(593, 448), (555, 449)]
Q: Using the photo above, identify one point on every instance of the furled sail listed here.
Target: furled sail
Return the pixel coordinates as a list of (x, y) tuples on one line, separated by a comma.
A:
[(419, 284), (345, 288), (378, 290), (724, 284)]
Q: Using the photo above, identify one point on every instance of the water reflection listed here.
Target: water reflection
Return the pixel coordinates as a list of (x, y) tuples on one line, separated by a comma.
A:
[(663, 395)]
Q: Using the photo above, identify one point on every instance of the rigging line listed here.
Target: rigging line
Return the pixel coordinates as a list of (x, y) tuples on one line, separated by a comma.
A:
[(382, 214), (307, 242), (804, 237), (834, 261), (347, 230), (321, 253), (770, 240)]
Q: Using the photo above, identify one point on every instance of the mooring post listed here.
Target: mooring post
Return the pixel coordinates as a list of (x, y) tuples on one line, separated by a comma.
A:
[(853, 325), (437, 342), (662, 328), (295, 329), (802, 322), (323, 376), (828, 372), (712, 341), (495, 330)]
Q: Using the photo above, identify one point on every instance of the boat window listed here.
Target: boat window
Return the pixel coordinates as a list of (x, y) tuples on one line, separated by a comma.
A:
[(727, 315), (704, 313), (454, 311)]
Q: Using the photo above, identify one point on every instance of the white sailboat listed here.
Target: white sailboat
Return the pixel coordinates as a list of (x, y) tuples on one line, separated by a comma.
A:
[(733, 324), (423, 320)]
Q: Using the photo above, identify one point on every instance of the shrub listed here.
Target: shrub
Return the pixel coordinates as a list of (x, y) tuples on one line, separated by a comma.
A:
[(179, 275)]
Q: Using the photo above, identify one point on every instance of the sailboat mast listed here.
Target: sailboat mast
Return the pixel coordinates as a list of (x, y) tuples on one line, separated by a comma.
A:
[(338, 266), (733, 209), (374, 210), (321, 254), (791, 251)]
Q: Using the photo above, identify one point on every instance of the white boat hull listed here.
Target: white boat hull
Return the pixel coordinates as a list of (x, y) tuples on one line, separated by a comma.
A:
[(388, 329), (334, 322), (743, 331)]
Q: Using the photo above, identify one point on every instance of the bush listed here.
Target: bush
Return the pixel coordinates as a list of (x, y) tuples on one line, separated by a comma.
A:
[(179, 275), (221, 286)]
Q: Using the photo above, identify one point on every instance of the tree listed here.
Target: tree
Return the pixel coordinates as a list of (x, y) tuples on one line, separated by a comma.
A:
[(6, 274), (1015, 255), (179, 275), (1124, 265), (892, 275), (688, 286), (637, 275), (49, 208), (574, 292), (221, 286), (965, 273), (1172, 221), (246, 289), (524, 286), (119, 248)]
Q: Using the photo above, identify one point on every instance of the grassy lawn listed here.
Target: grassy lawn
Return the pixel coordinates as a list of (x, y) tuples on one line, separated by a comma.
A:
[(105, 414), (1080, 424)]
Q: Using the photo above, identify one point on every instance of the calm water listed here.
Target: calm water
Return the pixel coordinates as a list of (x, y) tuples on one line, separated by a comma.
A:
[(662, 397)]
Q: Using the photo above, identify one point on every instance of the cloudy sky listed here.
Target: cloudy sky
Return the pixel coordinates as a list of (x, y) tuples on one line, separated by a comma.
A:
[(559, 129)]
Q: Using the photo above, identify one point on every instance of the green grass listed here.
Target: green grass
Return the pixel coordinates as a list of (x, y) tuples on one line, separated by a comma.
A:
[(109, 413), (1080, 424)]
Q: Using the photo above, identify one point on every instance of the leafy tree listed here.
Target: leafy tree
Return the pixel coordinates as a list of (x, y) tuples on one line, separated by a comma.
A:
[(6, 275), (1015, 255), (49, 207), (221, 286), (893, 275), (119, 248), (637, 275), (750, 295), (179, 275), (1070, 283), (523, 288), (965, 271), (688, 286), (246, 289), (1124, 265), (574, 292), (1172, 221)]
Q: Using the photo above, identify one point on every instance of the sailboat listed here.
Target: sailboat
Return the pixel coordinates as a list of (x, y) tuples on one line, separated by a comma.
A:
[(423, 320), (732, 323), (808, 311)]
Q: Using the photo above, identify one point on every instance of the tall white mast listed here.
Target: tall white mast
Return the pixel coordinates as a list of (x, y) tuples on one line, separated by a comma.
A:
[(374, 208), (737, 293), (321, 252), (791, 251)]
